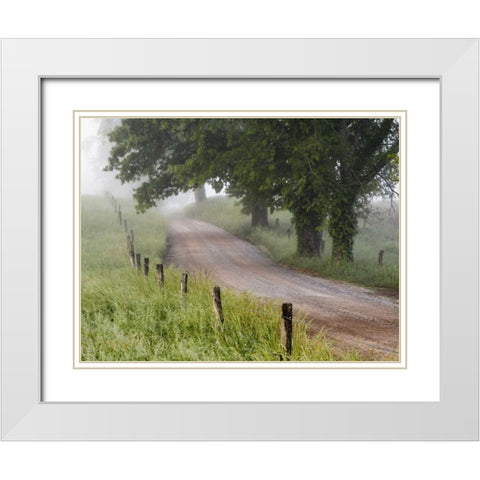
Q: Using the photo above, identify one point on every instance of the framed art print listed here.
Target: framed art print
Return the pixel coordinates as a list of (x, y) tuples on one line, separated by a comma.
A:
[(240, 239)]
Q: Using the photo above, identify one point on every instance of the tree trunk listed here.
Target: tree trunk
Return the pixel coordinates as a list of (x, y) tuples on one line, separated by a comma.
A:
[(200, 194), (308, 240), (342, 229), (259, 216)]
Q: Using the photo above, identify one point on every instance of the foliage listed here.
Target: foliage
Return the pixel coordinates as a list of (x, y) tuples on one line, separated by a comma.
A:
[(150, 150), (366, 164), (324, 170)]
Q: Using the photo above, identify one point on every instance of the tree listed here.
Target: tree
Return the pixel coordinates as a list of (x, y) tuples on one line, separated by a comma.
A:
[(200, 194), (237, 155), (252, 160), (365, 159), (151, 151), (304, 186), (322, 170)]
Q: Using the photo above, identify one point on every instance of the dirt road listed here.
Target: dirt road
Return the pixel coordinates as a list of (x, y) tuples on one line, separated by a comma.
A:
[(351, 316)]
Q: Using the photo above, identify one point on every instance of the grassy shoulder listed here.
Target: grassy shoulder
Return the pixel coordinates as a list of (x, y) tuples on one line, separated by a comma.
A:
[(126, 316), (104, 239), (378, 232)]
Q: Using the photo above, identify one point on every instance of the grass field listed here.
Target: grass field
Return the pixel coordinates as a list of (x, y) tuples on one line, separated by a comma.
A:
[(127, 317), (378, 232)]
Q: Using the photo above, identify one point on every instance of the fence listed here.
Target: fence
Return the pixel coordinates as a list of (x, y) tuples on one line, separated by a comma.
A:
[(286, 325)]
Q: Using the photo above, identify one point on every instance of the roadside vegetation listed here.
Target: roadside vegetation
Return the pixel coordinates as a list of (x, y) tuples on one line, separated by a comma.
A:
[(378, 231), (126, 316)]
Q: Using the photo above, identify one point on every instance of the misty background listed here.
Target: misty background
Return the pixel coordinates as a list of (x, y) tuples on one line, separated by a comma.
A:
[(95, 150)]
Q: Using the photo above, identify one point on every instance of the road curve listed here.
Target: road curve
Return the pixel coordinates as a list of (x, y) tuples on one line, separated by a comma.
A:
[(351, 316)]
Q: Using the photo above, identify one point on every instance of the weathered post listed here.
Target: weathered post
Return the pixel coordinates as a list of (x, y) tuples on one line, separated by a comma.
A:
[(125, 225), (146, 265), (139, 262), (160, 277), (184, 284), (120, 215), (287, 328), (131, 234), (217, 304), (115, 205), (322, 246), (131, 251), (380, 258)]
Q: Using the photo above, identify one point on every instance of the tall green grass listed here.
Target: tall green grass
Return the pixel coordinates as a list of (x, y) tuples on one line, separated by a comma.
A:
[(128, 317), (104, 239), (379, 231)]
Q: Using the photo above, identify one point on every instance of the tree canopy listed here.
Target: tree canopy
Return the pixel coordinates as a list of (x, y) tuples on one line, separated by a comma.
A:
[(323, 170)]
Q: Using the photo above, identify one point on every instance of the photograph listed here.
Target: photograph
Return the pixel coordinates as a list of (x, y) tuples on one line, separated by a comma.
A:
[(240, 237)]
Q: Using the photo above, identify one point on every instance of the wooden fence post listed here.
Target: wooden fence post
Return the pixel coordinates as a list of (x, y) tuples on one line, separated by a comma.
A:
[(287, 328), (160, 277), (131, 251), (217, 304), (380, 258), (184, 284), (146, 265), (125, 225), (131, 234), (139, 262), (120, 215)]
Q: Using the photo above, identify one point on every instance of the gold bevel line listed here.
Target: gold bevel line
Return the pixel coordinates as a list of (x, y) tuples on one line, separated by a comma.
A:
[(74, 235), (401, 293), (252, 367)]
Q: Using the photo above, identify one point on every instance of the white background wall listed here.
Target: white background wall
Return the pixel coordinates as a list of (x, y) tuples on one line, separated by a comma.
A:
[(254, 19)]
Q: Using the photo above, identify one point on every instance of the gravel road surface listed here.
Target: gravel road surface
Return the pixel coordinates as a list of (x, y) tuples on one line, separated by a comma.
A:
[(351, 316)]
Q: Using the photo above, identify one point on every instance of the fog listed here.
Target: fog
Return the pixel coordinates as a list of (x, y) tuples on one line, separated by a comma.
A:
[(95, 151), (94, 158)]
